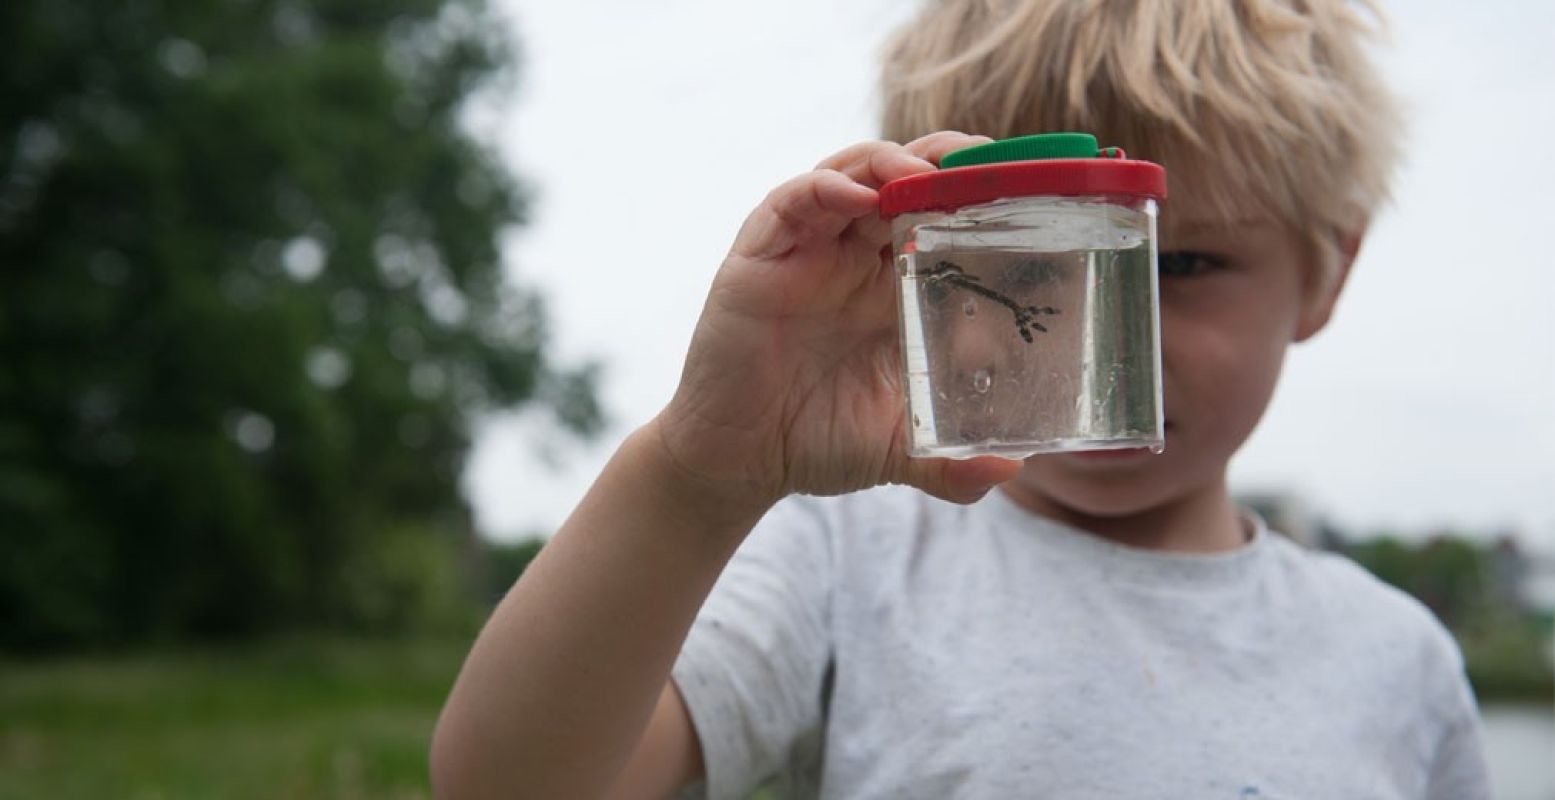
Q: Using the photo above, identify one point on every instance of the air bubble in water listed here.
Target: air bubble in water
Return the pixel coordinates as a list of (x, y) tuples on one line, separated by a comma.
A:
[(969, 308), (981, 381)]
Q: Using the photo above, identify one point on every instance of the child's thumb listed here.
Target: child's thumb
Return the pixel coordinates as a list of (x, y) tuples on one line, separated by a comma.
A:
[(959, 481)]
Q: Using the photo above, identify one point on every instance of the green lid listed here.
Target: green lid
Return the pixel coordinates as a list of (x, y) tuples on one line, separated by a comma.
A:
[(1024, 148)]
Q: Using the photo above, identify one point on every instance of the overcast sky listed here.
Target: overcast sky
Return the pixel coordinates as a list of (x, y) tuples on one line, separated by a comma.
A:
[(649, 130)]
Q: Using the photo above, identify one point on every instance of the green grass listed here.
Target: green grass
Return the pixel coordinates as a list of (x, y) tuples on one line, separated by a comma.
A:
[(295, 719)]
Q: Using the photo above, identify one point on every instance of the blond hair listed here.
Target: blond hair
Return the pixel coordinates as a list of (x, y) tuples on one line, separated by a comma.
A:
[(1253, 106)]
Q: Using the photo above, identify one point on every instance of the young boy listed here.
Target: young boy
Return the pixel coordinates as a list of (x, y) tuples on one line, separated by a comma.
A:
[(1098, 625)]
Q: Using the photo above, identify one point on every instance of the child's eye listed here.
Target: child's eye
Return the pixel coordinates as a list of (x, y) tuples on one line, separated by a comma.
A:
[(1188, 263)]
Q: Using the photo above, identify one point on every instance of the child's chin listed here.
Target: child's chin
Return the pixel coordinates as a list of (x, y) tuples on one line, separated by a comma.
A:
[(1099, 483)]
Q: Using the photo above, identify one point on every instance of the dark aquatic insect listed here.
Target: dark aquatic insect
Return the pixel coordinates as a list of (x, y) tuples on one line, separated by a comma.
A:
[(1025, 316)]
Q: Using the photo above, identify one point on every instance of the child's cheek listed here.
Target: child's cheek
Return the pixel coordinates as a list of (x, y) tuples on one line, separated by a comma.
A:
[(1218, 377)]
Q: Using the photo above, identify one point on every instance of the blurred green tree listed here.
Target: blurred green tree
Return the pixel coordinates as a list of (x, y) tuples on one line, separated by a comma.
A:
[(250, 296)]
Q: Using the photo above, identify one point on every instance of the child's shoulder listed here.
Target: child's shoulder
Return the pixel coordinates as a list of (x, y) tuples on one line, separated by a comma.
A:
[(1361, 605), (1346, 587)]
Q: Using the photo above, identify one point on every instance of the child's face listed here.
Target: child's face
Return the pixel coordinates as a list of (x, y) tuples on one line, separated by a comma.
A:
[(1232, 299)]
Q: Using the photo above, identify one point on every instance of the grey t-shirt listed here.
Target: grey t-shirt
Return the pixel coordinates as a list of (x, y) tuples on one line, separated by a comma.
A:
[(889, 645)]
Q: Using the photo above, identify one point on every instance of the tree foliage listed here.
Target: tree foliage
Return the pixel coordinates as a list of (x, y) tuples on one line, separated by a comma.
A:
[(250, 295)]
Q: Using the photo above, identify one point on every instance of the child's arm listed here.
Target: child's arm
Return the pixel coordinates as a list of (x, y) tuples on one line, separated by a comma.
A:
[(791, 385)]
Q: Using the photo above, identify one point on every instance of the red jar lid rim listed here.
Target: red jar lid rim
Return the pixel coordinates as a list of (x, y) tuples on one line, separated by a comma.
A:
[(950, 189)]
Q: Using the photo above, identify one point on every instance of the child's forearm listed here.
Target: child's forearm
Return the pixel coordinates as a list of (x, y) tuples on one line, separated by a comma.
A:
[(786, 388), (561, 682)]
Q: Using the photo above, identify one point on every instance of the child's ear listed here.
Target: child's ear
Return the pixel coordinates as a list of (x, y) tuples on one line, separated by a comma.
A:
[(1327, 281)]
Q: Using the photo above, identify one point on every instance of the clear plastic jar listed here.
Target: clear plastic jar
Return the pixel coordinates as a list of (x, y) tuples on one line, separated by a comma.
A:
[(1030, 322)]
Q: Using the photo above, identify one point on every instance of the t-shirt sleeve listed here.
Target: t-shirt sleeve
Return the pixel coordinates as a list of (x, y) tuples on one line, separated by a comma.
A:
[(1458, 770), (753, 665)]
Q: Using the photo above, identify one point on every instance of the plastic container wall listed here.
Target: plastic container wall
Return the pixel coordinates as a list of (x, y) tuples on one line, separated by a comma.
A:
[(1031, 325)]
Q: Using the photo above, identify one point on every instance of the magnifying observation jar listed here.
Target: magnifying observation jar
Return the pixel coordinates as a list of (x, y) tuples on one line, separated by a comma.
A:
[(1029, 300)]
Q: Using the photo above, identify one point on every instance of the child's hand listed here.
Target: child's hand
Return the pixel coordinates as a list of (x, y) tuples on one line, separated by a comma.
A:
[(793, 380)]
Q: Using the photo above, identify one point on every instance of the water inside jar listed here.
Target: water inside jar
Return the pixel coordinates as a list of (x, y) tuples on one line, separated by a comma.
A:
[(1028, 333)]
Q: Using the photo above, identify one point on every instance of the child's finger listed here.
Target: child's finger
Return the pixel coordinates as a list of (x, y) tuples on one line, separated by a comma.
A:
[(876, 163), (957, 481), (934, 146), (872, 232), (869, 232), (815, 205)]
